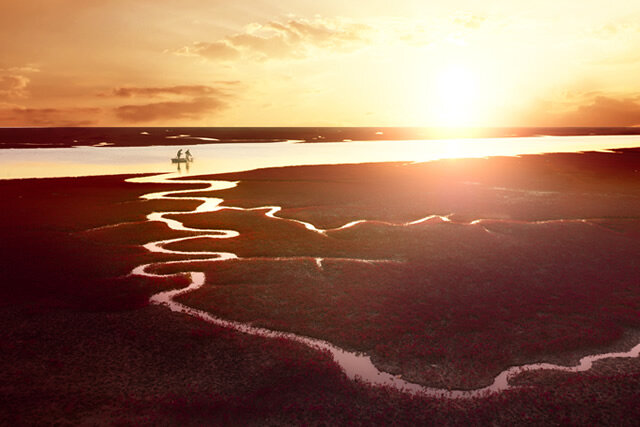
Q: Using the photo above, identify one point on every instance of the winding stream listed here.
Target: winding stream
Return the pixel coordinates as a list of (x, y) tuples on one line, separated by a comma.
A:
[(356, 366)]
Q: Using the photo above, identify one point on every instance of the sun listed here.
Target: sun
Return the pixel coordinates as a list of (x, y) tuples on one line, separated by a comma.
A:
[(454, 96)]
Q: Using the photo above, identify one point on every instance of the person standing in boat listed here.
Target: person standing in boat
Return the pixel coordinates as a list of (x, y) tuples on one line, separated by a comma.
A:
[(188, 156), (179, 153)]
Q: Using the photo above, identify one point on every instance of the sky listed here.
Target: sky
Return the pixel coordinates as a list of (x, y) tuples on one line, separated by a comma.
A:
[(319, 63)]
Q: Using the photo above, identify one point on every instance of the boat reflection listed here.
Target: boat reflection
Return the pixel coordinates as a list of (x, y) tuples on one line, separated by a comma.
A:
[(179, 166)]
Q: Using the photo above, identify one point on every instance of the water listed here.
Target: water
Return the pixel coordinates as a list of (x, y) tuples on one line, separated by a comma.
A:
[(235, 157)]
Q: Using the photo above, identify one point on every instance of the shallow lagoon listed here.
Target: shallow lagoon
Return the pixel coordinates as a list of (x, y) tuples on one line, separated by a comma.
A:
[(221, 158)]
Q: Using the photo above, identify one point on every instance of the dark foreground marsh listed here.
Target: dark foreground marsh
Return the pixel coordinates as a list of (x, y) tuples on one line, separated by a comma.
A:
[(537, 262)]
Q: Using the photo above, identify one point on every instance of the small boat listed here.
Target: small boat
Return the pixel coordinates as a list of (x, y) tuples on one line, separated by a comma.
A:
[(181, 160)]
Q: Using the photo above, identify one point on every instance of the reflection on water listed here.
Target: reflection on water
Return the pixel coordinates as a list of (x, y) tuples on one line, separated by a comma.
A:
[(186, 167), (219, 158)]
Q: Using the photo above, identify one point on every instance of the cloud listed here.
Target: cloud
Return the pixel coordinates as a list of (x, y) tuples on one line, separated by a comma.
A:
[(170, 110), (22, 116), (588, 109), (154, 92), (21, 70), (296, 38), (184, 101), (470, 21), (14, 82), (604, 111), (615, 29), (13, 85), (220, 50), (300, 38)]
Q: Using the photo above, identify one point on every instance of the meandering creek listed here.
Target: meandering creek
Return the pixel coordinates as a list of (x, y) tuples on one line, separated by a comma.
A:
[(356, 366)]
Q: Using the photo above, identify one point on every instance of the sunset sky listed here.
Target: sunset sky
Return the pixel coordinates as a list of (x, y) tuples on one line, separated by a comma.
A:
[(319, 63)]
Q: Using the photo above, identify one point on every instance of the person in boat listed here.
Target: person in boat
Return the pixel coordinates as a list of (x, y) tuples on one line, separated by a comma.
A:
[(179, 153), (188, 156)]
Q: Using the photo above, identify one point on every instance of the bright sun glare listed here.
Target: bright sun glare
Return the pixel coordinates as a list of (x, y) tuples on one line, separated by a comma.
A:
[(454, 96)]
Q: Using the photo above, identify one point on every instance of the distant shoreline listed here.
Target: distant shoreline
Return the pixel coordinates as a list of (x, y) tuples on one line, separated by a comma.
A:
[(61, 137)]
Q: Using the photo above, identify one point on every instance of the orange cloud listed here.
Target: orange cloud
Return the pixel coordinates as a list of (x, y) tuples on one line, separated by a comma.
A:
[(470, 21), (153, 92), (612, 29), (588, 109), (604, 111), (292, 39), (220, 50), (13, 86), (23, 69), (21, 116), (170, 110)]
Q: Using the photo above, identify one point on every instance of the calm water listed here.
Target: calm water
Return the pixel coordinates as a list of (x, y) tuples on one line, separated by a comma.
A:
[(217, 158)]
